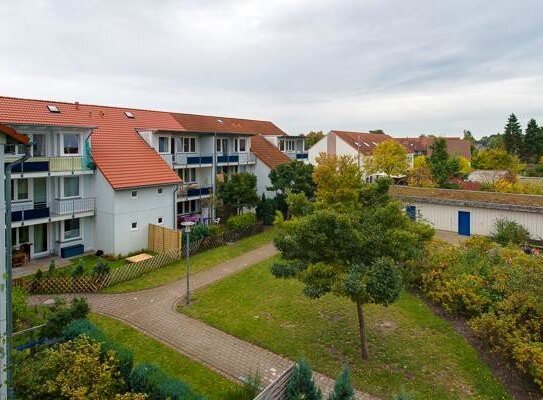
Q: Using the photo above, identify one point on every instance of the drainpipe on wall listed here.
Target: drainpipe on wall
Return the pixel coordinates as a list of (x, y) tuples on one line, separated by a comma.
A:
[(175, 206), (9, 272), (214, 179)]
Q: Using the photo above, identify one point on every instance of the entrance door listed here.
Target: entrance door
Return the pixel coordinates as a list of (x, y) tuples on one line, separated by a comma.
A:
[(40, 238), (464, 223)]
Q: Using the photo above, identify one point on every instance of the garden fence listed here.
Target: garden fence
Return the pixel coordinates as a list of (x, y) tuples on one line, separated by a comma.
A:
[(92, 284), (277, 389)]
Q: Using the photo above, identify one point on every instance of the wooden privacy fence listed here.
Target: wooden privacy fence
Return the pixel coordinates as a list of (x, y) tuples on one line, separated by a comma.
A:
[(277, 389), (163, 239), (92, 284)]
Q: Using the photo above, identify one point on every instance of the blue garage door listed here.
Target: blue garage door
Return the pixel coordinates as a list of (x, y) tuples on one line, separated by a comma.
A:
[(464, 223), (411, 212)]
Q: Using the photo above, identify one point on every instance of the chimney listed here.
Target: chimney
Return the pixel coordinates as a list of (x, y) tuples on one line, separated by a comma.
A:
[(77, 105)]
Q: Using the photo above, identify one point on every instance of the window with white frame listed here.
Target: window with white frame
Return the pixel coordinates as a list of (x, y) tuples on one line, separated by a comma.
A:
[(189, 175), (240, 145), (290, 145), (188, 145), (38, 145), (134, 194), (20, 189), (70, 186), (222, 145), (20, 235), (163, 144), (134, 226), (72, 229), (71, 143)]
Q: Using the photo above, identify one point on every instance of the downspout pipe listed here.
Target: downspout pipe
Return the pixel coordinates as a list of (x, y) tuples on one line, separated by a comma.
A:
[(214, 178), (175, 206), (9, 269)]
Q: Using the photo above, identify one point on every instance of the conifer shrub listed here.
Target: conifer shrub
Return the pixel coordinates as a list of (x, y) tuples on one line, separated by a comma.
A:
[(302, 385), (343, 390)]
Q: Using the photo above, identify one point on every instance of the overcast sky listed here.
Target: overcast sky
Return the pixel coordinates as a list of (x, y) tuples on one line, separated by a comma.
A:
[(407, 67)]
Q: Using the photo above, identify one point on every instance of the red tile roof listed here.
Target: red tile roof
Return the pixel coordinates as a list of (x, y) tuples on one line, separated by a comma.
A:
[(455, 145), (366, 141), (267, 152), (12, 133), (122, 156), (212, 124)]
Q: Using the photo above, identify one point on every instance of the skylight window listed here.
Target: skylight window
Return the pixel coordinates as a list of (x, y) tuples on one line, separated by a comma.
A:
[(53, 109), (366, 144), (219, 121), (129, 114)]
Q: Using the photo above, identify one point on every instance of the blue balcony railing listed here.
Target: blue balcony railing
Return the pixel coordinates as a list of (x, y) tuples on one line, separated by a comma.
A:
[(188, 191), (28, 214), (301, 156), (55, 164)]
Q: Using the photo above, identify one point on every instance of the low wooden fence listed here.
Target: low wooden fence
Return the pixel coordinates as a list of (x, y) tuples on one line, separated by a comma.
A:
[(277, 389), (92, 284)]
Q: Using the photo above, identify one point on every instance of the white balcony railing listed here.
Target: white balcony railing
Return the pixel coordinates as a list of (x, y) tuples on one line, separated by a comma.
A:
[(73, 206)]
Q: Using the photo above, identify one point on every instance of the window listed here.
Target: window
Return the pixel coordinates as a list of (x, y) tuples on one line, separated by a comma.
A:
[(134, 226), (71, 186), (71, 143), (134, 194), (160, 190), (159, 220), (72, 229), (129, 114), (240, 145), (287, 145), (189, 175), (222, 145), (38, 145), (53, 109), (19, 189), (187, 207), (20, 235), (163, 144), (188, 145)]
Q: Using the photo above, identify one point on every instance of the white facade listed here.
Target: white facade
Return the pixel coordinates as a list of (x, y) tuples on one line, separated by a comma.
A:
[(481, 220), (262, 172)]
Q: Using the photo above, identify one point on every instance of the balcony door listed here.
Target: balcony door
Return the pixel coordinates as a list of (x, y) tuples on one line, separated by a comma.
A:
[(40, 192), (38, 145), (40, 239)]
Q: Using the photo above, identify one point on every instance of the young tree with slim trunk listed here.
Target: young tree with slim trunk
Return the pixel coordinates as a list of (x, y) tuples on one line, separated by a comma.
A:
[(388, 157), (353, 252), (239, 191)]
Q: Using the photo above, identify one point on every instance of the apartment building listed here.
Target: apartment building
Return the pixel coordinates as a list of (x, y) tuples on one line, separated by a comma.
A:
[(97, 176)]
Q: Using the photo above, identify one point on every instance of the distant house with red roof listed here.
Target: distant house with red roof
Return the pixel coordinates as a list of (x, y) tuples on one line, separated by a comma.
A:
[(99, 175)]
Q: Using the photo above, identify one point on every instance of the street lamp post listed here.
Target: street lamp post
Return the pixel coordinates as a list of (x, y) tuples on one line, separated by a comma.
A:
[(187, 225), (358, 152)]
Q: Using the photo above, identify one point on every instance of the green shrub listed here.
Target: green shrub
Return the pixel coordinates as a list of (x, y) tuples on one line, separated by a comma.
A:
[(38, 276), (79, 269), (144, 376), (241, 222), (198, 232), (52, 268), (79, 327), (265, 210), (302, 385), (248, 391), (215, 230), (124, 357), (62, 316), (19, 304), (101, 268), (343, 390), (173, 389), (151, 380), (508, 232)]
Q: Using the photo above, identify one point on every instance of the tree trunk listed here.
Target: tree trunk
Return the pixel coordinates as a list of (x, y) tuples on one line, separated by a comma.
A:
[(362, 327)]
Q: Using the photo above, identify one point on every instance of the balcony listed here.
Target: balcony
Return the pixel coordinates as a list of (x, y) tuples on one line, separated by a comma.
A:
[(179, 160), (55, 165), (73, 207), (194, 191), (29, 212), (297, 155)]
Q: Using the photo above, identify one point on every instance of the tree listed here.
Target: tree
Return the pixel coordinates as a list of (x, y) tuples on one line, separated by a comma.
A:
[(512, 136), (533, 142), (338, 180), (301, 385), (312, 137), (343, 390), (421, 175), (351, 251), (239, 191), (378, 132), (496, 159), (469, 136), (294, 177), (388, 157), (441, 164)]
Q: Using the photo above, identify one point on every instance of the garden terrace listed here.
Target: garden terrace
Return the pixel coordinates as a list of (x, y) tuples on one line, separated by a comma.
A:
[(500, 201)]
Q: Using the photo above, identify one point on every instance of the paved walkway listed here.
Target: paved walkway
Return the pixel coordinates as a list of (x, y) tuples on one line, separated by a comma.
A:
[(153, 311)]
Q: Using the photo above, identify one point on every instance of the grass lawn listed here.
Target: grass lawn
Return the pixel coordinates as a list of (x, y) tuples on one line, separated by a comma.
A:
[(198, 262), (146, 349), (410, 347)]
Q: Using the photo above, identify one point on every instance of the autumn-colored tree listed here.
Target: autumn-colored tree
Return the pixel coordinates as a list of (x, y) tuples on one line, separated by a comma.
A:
[(421, 175), (388, 157), (496, 159), (312, 137), (338, 180), (465, 166)]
